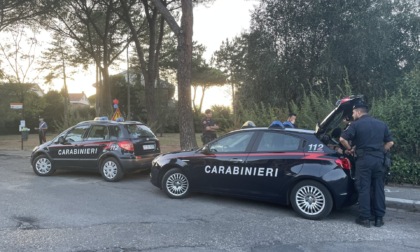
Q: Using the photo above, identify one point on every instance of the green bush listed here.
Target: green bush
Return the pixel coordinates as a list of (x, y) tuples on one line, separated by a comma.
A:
[(400, 111), (404, 171)]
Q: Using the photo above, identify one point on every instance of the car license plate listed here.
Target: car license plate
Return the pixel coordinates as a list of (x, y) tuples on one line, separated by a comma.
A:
[(148, 147)]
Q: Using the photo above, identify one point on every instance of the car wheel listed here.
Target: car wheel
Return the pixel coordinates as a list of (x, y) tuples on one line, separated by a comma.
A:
[(311, 200), (43, 166), (111, 170), (175, 184)]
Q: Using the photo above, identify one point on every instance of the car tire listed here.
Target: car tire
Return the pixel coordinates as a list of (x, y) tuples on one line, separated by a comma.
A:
[(311, 200), (43, 166), (111, 170), (175, 184)]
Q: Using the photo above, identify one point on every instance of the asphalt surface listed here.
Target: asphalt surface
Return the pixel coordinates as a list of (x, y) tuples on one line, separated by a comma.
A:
[(404, 197)]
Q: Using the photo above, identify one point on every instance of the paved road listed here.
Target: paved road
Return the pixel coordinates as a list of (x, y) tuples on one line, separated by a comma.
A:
[(74, 211)]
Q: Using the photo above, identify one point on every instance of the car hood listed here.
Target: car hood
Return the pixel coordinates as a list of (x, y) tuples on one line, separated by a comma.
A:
[(177, 154), (343, 109)]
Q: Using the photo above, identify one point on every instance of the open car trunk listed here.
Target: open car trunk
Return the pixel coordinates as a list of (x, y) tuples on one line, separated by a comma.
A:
[(334, 120)]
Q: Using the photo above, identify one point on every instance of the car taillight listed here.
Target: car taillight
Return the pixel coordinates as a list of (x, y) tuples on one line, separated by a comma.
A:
[(126, 145), (343, 163)]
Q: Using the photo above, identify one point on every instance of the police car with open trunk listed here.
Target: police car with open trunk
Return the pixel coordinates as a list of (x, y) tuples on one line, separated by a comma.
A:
[(281, 165)]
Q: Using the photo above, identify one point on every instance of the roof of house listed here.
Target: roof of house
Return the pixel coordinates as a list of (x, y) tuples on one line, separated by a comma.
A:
[(78, 98)]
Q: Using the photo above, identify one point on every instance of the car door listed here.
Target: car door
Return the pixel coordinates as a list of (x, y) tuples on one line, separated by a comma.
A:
[(275, 159), (219, 164), (91, 147), (64, 150)]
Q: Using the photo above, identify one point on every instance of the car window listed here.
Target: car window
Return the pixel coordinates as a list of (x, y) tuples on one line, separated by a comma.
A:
[(76, 134), (274, 142), (98, 132), (138, 130), (233, 143), (115, 133)]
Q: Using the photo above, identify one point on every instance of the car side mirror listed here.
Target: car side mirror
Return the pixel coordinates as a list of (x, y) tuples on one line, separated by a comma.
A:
[(206, 149), (61, 140)]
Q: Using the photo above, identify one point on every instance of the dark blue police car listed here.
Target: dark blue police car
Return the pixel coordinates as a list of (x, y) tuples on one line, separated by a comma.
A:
[(112, 148), (281, 165)]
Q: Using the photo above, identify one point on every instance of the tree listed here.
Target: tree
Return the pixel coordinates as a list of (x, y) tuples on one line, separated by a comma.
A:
[(33, 105), (205, 77), (146, 29), (306, 45), (13, 12), (99, 34), (55, 109), (184, 38), (18, 47), (57, 59), (231, 58)]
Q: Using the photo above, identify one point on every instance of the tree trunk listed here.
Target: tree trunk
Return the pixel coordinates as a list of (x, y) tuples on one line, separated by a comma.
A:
[(186, 120), (184, 37), (203, 89), (106, 93), (193, 98), (98, 106), (66, 91)]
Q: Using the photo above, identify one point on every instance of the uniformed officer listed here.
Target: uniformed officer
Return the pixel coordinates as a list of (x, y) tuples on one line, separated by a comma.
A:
[(209, 127), (42, 130), (371, 139), (291, 121)]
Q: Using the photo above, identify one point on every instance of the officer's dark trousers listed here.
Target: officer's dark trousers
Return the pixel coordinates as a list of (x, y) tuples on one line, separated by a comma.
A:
[(208, 137), (42, 138), (370, 174)]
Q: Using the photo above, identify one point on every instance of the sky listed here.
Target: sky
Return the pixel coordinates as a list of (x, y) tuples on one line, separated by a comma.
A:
[(213, 24)]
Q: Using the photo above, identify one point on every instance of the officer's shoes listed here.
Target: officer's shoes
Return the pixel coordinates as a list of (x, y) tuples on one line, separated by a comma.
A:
[(379, 222), (363, 222)]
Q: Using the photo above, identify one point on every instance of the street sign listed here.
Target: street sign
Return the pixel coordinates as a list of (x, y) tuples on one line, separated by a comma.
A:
[(16, 105)]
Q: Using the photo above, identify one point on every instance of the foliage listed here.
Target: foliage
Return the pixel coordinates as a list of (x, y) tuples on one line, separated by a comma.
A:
[(400, 110), (54, 111), (223, 117), (305, 45), (260, 113), (98, 34), (404, 171), (205, 77), (183, 33), (164, 93), (76, 116), (17, 50), (32, 106), (17, 12), (231, 59)]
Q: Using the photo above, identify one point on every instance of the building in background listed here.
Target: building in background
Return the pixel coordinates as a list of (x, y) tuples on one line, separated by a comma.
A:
[(79, 100)]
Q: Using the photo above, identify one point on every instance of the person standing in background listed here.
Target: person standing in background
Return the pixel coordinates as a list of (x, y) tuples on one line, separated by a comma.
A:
[(42, 130), (291, 121), (209, 127)]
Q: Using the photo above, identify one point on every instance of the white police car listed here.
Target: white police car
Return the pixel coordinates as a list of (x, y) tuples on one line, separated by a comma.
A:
[(112, 148)]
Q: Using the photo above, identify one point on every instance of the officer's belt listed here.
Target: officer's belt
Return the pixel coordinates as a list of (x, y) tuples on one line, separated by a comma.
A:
[(372, 152)]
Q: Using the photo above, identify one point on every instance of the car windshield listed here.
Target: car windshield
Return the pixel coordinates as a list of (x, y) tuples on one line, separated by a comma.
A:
[(233, 143), (139, 130)]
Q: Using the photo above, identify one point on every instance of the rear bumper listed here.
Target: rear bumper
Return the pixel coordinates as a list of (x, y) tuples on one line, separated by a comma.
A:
[(137, 163), (342, 188), (345, 194)]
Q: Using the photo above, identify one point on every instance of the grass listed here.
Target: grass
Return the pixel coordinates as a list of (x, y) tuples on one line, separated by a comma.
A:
[(168, 142)]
